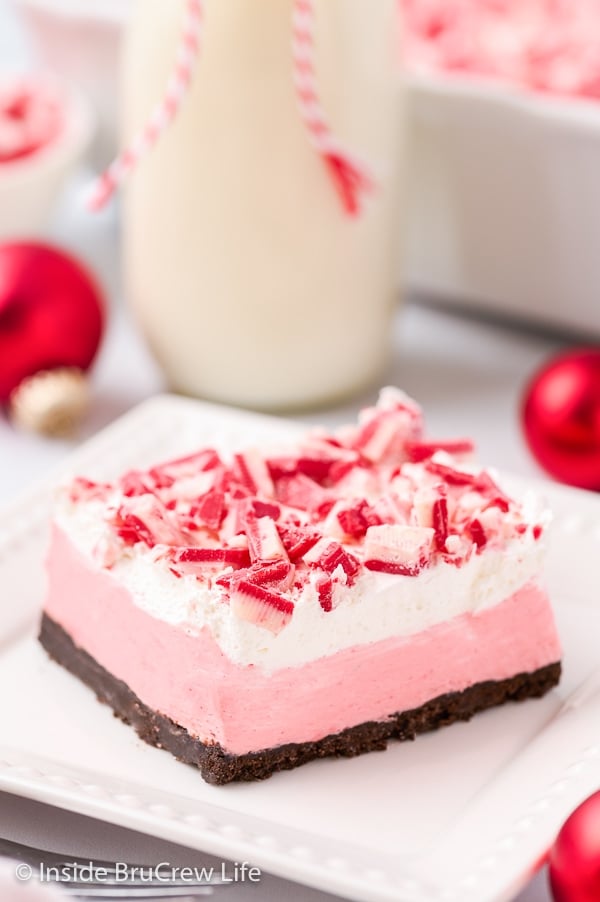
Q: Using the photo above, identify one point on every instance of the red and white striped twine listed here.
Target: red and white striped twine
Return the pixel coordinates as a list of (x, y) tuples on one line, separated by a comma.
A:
[(349, 176), (164, 113)]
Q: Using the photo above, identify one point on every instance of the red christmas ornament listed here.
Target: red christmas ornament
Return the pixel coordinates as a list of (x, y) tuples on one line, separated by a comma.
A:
[(51, 323), (561, 417), (575, 856)]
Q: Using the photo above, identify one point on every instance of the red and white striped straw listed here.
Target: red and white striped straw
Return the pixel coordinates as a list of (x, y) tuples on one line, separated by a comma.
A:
[(349, 176)]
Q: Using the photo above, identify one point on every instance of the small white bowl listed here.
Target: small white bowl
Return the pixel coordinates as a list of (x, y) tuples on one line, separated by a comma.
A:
[(31, 186), (81, 41)]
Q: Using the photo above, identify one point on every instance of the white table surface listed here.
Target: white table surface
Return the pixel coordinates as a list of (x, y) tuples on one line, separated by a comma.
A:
[(468, 374)]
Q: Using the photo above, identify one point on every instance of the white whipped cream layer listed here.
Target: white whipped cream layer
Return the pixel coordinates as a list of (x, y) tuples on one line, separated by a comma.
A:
[(378, 606)]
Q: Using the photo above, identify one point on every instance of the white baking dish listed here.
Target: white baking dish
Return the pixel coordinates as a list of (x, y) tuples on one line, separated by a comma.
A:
[(31, 187), (80, 40), (504, 202)]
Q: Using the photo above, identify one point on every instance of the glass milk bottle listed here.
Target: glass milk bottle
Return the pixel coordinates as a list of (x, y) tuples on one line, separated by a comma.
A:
[(254, 280)]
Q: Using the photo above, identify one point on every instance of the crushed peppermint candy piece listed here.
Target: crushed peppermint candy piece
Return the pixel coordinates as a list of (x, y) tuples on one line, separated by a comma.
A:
[(355, 520), (403, 550), (143, 518), (251, 471), (328, 555), (237, 557), (324, 586), (276, 575), (297, 540), (420, 451), (260, 606), (264, 540), (209, 509), (304, 493)]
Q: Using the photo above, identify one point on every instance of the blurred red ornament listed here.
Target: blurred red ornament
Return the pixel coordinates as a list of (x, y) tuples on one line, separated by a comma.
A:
[(575, 856), (561, 418), (51, 321)]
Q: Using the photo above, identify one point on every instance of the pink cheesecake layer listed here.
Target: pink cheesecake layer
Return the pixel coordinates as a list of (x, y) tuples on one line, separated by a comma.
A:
[(189, 679)]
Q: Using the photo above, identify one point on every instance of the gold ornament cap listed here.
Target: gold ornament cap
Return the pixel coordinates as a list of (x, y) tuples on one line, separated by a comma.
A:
[(52, 402)]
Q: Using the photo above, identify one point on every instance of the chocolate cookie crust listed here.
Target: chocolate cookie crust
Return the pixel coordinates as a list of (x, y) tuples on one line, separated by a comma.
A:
[(219, 767)]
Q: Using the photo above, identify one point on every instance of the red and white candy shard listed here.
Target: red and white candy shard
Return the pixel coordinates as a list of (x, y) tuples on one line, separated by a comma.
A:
[(250, 470), (278, 573), (107, 550), (209, 509), (359, 481), (81, 490), (196, 560), (316, 459), (135, 483), (190, 465), (259, 528), (260, 606), (355, 519), (191, 488), (143, 518), (297, 540), (328, 555), (430, 509), (324, 587), (304, 493), (392, 508), (264, 541), (458, 448), (403, 550), (385, 429)]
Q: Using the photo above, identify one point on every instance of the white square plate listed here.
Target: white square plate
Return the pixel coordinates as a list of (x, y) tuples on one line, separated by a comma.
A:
[(464, 814)]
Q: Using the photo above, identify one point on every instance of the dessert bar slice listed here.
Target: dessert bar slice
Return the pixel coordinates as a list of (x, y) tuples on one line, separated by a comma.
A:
[(252, 611)]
